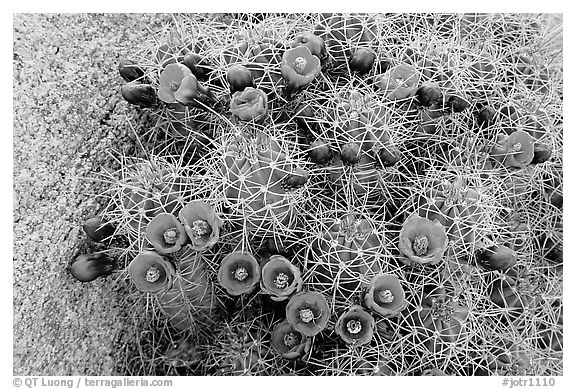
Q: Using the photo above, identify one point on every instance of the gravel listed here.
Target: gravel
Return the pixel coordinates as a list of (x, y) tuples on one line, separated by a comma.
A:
[(68, 114)]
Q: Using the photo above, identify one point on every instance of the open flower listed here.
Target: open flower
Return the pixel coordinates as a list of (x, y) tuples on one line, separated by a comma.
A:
[(151, 273), (308, 312), (399, 82), (171, 80), (299, 68), (356, 326), (385, 295), (166, 233), (280, 278), (312, 42), (239, 273), (288, 342), (423, 241), (249, 104), (520, 149), (201, 224)]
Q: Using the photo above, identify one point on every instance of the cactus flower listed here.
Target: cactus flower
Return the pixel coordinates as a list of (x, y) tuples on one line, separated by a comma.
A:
[(201, 224), (280, 278), (423, 241), (239, 273), (356, 326), (289, 343), (520, 149), (166, 233), (249, 104), (88, 267), (385, 295), (299, 68), (171, 80), (151, 273), (313, 42), (192, 94), (399, 82), (308, 312)]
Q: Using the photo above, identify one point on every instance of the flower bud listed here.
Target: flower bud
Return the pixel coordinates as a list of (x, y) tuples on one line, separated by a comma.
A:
[(426, 95), (88, 267), (350, 153), (239, 77), (142, 95), (496, 258), (319, 152), (388, 156), (129, 70), (197, 64), (486, 116), (97, 230), (542, 153), (457, 104), (362, 60)]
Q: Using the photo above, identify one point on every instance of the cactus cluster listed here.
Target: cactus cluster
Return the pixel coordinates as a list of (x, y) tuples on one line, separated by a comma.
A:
[(348, 194)]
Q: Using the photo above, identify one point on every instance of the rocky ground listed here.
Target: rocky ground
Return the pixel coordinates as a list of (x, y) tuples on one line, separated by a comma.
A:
[(68, 118)]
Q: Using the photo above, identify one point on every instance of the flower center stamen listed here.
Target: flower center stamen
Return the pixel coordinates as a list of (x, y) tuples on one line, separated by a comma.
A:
[(306, 315), (290, 339), (240, 274), (281, 281), (174, 86), (171, 235), (420, 245), (152, 274), (299, 65), (200, 228), (354, 326), (386, 296)]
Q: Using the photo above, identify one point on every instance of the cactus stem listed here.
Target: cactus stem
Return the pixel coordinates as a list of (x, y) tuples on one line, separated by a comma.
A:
[(290, 339), (152, 274), (281, 281), (240, 274), (171, 235), (306, 315), (386, 296), (354, 326), (420, 245)]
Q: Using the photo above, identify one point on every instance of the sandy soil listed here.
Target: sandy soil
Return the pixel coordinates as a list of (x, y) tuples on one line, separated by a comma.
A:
[(68, 114)]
